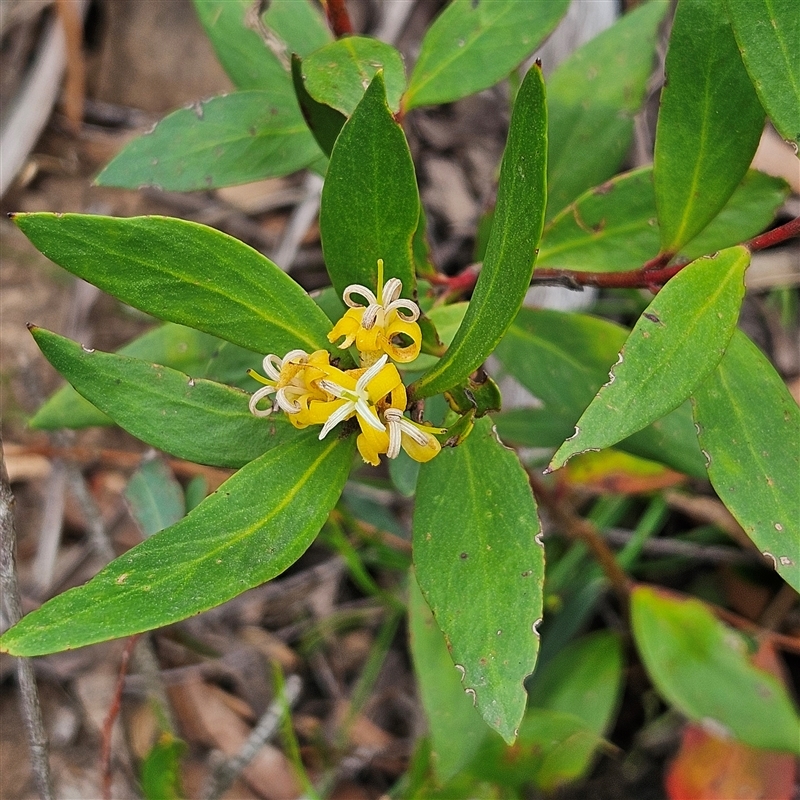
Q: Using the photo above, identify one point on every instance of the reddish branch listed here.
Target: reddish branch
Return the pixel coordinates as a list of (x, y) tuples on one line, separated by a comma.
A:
[(338, 18), (113, 713), (651, 275), (581, 529)]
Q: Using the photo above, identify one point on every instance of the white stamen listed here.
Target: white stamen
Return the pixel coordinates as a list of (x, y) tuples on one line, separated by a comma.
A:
[(287, 405), (391, 291), (361, 383), (358, 289), (406, 305), (341, 414), (263, 392)]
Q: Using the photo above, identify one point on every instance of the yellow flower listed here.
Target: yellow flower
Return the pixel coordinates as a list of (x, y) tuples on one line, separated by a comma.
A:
[(417, 440), (294, 380), (375, 328), (358, 393)]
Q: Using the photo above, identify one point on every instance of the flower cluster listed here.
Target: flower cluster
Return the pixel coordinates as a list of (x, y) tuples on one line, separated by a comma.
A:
[(312, 391)]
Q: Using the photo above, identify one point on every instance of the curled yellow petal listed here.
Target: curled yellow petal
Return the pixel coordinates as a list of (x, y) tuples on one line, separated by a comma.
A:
[(372, 444), (348, 326), (402, 353)]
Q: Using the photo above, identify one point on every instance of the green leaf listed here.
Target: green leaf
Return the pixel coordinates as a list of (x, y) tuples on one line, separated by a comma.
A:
[(592, 98), (370, 201), (511, 252), (339, 73), (584, 679), (768, 32), (155, 498), (161, 772), (471, 46), (552, 750), (198, 420), (272, 509), (613, 227), (456, 728), (240, 48), (564, 359), (709, 124), (749, 426), (323, 121), (702, 668), (227, 140), (172, 345), (481, 567), (447, 320), (184, 272), (676, 342)]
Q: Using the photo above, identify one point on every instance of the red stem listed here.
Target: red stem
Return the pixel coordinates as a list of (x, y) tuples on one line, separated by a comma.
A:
[(775, 236), (113, 713), (338, 17), (651, 275)]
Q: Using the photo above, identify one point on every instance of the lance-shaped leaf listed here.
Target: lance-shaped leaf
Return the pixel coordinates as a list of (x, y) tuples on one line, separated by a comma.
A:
[(339, 73), (456, 728), (227, 140), (511, 251), (480, 566), (184, 272), (323, 121), (563, 359), (473, 45), (198, 420), (370, 201), (676, 342), (613, 227), (749, 427), (591, 101), (768, 33), (154, 496), (233, 28), (171, 345), (253, 527), (709, 124), (702, 668)]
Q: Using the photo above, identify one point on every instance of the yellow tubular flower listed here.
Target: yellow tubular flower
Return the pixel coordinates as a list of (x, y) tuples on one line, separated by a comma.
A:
[(355, 395), (374, 327), (294, 380), (417, 440)]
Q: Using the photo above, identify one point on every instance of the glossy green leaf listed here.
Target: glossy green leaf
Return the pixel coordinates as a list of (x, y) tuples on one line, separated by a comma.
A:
[(370, 201), (227, 140), (563, 359), (768, 35), (511, 252), (709, 124), (447, 320), (481, 567), (339, 73), (613, 227), (249, 62), (272, 509), (184, 272), (472, 45), (154, 496), (198, 420), (456, 728), (175, 346), (324, 122), (749, 426), (552, 750), (676, 342), (702, 667), (592, 98)]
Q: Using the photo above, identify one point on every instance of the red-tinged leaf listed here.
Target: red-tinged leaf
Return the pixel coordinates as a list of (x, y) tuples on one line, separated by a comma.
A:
[(709, 768), (615, 472)]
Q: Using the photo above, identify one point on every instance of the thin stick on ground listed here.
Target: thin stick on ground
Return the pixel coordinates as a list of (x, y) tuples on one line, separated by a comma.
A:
[(111, 717), (29, 696), (230, 769)]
